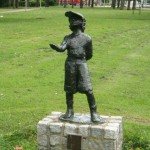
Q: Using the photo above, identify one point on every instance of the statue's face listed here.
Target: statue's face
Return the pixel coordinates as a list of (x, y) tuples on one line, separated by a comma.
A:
[(74, 22)]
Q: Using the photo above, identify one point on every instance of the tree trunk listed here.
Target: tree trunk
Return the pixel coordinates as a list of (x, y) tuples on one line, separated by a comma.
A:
[(134, 5), (96, 2), (113, 5), (92, 5), (81, 3), (72, 3), (128, 7), (89, 2), (17, 3), (60, 2), (37, 3), (65, 3), (118, 3), (14, 3), (86, 2), (47, 3), (122, 5), (26, 3), (9, 3)]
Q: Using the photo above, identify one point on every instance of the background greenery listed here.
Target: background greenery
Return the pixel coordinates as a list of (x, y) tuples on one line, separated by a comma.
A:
[(32, 3), (32, 75)]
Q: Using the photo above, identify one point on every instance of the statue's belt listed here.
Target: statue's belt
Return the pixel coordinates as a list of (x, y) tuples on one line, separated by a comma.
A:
[(76, 58)]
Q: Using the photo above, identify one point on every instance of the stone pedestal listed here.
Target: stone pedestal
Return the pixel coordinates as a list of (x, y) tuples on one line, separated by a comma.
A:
[(53, 134)]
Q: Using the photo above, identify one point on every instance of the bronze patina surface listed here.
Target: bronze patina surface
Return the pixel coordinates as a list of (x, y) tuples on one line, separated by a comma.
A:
[(77, 78)]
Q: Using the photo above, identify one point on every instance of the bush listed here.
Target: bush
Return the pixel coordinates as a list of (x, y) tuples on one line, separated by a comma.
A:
[(33, 3), (52, 2), (3, 3)]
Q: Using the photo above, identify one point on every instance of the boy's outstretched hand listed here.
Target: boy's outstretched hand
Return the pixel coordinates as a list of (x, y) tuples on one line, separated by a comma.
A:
[(53, 46)]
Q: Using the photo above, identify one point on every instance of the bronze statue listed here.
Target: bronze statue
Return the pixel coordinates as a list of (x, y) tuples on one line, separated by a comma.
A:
[(77, 78)]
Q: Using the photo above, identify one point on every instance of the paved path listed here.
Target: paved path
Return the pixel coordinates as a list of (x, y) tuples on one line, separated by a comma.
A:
[(16, 10)]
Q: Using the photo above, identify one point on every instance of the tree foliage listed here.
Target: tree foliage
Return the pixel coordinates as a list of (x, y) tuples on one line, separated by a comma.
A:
[(4, 3), (17, 3)]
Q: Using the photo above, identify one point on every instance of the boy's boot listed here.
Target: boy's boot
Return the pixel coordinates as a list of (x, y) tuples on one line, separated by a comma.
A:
[(69, 101), (91, 100)]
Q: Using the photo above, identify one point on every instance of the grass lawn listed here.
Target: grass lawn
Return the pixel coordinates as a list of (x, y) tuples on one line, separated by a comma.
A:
[(32, 74)]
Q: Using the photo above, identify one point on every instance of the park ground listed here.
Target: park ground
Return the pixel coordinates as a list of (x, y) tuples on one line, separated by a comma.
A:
[(32, 74)]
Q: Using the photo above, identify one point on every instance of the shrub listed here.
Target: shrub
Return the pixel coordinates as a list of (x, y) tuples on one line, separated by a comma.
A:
[(33, 3), (52, 2)]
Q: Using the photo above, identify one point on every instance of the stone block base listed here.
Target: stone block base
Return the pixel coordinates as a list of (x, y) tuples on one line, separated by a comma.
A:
[(53, 134)]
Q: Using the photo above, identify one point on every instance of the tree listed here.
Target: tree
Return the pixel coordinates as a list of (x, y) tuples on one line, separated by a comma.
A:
[(9, 3), (2, 2), (81, 3), (89, 2), (86, 2), (113, 5), (92, 5), (128, 7), (61, 2), (14, 3), (65, 3), (118, 3), (47, 3), (72, 3), (122, 5), (134, 4), (37, 3), (17, 3), (26, 3)]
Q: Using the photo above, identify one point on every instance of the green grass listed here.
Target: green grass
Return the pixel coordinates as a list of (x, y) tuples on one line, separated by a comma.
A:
[(32, 75), (4, 9)]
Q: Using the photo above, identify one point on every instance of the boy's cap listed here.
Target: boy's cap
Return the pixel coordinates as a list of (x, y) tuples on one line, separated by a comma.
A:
[(70, 14)]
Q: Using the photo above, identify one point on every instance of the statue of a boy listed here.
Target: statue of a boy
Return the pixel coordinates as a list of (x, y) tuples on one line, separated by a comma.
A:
[(77, 78)]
